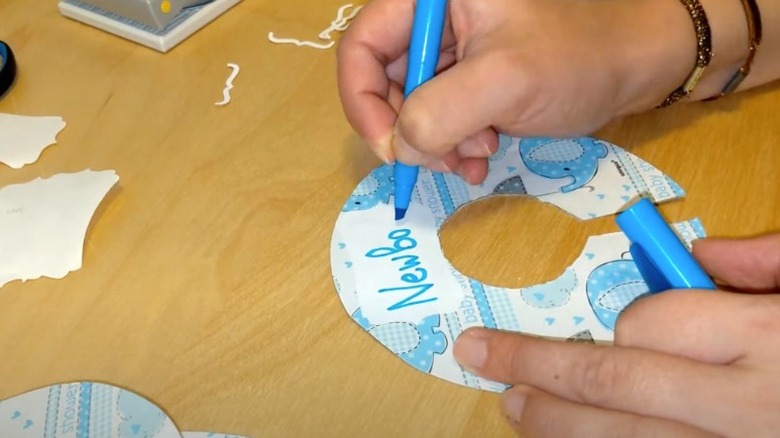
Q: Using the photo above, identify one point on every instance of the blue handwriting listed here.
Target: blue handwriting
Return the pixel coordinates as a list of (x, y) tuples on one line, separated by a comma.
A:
[(412, 274)]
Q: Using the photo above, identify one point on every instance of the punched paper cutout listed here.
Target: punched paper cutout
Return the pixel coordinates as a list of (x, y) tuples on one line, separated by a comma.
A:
[(395, 282), (23, 138), (234, 69), (43, 223), (340, 24), (88, 410)]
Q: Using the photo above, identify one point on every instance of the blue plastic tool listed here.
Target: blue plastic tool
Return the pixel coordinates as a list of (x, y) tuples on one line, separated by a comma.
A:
[(661, 257), (424, 48), (7, 68)]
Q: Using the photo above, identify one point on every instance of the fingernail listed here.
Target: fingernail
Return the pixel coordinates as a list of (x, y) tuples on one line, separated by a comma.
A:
[(471, 350), (474, 147), (488, 150), (485, 148), (513, 403), (382, 148)]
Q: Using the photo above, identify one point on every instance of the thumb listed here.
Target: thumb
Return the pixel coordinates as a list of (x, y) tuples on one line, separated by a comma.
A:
[(462, 101)]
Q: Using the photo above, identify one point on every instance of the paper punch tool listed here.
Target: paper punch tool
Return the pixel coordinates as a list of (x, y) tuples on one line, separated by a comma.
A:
[(660, 256), (7, 68), (159, 24)]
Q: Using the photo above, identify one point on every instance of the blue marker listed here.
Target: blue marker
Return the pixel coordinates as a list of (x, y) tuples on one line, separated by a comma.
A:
[(424, 50), (662, 259)]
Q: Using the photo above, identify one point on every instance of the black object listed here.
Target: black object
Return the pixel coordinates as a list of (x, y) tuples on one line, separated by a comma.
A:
[(7, 68)]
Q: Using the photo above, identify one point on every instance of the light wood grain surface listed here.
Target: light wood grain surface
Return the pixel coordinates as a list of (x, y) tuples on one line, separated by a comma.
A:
[(206, 282)]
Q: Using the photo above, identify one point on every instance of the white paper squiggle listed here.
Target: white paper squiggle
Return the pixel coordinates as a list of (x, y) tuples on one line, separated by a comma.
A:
[(340, 24), (274, 39), (229, 84)]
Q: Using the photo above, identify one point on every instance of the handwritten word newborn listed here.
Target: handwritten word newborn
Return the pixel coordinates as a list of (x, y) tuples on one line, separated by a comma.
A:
[(411, 273)]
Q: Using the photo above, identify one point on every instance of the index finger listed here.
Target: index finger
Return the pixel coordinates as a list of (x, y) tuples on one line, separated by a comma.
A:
[(749, 263), (379, 35)]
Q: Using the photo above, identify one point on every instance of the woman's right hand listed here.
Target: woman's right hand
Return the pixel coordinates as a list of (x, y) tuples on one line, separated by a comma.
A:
[(519, 67)]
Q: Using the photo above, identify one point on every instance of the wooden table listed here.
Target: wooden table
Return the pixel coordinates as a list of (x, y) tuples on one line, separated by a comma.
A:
[(206, 282)]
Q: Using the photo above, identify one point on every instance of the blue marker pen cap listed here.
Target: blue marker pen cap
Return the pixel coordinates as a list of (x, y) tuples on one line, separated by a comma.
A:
[(660, 255)]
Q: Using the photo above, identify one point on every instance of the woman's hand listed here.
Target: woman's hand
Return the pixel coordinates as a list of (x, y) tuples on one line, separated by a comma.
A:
[(685, 363), (520, 67)]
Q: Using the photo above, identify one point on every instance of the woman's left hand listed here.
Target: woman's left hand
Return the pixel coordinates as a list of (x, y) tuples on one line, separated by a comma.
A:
[(685, 363)]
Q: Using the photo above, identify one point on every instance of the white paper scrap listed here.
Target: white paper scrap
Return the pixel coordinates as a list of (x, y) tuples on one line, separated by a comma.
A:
[(43, 223), (23, 138)]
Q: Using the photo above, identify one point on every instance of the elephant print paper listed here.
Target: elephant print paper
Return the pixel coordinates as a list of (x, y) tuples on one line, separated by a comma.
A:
[(396, 283), (87, 410), (586, 177)]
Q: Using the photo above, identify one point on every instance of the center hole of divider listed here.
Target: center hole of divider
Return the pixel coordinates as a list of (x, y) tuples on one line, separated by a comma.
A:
[(515, 241)]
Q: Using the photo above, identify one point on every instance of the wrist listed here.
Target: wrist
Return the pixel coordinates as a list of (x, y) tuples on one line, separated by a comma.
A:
[(657, 50), (728, 24)]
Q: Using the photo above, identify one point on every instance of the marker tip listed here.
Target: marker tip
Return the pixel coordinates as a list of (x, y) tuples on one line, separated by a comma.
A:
[(400, 213)]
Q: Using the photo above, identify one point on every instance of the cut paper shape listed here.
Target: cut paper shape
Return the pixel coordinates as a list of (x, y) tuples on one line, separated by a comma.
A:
[(43, 223), (23, 138), (340, 24), (88, 410), (229, 84), (321, 46), (395, 282)]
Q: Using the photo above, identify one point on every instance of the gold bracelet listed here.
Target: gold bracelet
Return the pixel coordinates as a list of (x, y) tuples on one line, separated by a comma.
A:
[(703, 52), (755, 35)]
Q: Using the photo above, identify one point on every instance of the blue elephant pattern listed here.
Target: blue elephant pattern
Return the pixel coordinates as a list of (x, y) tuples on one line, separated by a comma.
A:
[(140, 418), (613, 286), (573, 158), (415, 344), (375, 188)]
